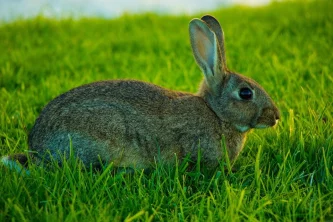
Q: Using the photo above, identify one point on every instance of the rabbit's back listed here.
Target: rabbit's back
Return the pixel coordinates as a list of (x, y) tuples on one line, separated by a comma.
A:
[(130, 123)]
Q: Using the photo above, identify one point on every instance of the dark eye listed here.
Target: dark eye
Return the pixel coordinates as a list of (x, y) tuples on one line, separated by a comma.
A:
[(245, 93)]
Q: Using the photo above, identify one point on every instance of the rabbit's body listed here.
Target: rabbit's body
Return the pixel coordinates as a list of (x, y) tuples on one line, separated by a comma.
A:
[(131, 124), (134, 124)]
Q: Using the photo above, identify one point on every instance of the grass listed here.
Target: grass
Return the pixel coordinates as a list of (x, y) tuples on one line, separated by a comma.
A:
[(284, 174)]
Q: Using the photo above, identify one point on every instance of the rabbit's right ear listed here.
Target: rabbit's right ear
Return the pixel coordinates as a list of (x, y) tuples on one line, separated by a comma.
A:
[(207, 53)]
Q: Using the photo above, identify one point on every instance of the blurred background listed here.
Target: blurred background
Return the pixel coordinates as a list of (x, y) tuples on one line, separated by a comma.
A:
[(12, 9)]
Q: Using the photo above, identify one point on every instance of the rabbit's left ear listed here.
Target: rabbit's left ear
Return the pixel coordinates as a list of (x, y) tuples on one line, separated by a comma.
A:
[(215, 26), (207, 53)]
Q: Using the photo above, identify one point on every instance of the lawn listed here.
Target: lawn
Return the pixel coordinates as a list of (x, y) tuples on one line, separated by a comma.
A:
[(283, 174)]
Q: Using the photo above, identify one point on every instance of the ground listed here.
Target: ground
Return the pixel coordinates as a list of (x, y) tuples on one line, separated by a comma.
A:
[(283, 174)]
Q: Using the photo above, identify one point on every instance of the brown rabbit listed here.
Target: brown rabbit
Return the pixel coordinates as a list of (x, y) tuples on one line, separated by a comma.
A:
[(133, 123)]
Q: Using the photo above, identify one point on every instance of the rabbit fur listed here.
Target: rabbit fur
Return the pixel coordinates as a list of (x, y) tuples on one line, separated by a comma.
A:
[(133, 124)]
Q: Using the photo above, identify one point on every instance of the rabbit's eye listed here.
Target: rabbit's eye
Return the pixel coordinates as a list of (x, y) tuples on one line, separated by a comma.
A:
[(245, 93)]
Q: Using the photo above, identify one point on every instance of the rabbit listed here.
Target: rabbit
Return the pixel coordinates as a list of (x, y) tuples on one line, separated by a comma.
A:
[(133, 124)]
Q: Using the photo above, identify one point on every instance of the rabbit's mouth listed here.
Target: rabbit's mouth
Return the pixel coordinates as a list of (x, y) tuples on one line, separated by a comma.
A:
[(264, 121), (267, 119), (263, 126)]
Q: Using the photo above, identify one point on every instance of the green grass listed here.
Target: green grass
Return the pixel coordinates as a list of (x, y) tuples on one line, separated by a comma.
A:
[(284, 174)]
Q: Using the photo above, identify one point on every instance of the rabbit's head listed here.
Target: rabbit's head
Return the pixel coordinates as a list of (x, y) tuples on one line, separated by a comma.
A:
[(235, 99)]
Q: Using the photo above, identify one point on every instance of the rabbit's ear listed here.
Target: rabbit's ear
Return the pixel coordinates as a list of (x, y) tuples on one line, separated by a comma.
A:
[(215, 26), (206, 52)]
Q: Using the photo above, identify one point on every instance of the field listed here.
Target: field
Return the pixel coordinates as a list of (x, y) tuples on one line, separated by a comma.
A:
[(283, 174)]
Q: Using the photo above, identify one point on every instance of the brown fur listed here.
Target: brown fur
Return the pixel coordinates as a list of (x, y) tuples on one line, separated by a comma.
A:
[(134, 124)]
